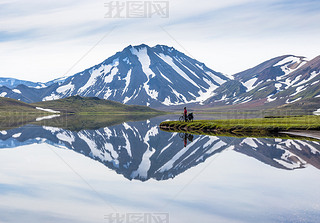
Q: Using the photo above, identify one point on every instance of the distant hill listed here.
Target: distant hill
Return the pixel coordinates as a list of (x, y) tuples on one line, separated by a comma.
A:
[(73, 104), (78, 104), (12, 105), (14, 113)]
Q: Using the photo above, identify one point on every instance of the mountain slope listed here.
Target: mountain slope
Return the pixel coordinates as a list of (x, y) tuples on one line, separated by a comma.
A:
[(144, 76), (141, 75), (12, 105), (266, 79), (281, 80), (271, 70), (304, 83)]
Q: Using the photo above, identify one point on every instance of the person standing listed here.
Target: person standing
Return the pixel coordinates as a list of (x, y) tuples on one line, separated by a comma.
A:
[(185, 113)]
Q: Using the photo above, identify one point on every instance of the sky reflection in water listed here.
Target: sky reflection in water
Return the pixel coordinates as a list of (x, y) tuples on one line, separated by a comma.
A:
[(50, 174)]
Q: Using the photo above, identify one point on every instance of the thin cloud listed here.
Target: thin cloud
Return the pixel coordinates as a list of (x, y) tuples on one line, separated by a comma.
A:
[(46, 37)]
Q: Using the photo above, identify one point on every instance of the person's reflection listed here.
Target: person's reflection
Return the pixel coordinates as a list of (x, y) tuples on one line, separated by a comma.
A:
[(186, 137)]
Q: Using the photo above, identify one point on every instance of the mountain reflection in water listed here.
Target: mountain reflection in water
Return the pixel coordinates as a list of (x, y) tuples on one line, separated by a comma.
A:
[(139, 150)]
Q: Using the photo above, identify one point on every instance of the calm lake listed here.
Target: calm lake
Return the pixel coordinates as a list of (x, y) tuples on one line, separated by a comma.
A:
[(134, 172)]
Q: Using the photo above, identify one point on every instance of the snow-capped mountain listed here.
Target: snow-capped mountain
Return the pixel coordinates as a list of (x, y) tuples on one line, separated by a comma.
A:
[(161, 76), (26, 91), (303, 83), (141, 75), (12, 83), (281, 80), (272, 70), (139, 150)]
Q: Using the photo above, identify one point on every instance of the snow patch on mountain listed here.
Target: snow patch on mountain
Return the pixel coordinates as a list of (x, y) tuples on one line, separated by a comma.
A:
[(170, 62), (204, 95), (298, 90), (289, 102), (290, 83), (96, 73), (145, 63), (312, 75), (16, 91), (216, 78), (250, 83), (127, 79), (144, 60), (53, 96), (290, 59), (167, 79), (270, 99), (278, 86), (107, 94), (180, 96), (65, 88), (47, 110), (109, 77)]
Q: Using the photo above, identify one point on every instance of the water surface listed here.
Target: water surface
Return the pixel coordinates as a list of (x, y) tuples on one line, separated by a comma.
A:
[(134, 170)]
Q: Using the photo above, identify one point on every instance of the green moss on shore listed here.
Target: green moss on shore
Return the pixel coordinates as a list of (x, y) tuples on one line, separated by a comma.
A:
[(258, 125)]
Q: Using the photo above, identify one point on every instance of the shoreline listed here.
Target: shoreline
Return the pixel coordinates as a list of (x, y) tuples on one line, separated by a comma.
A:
[(304, 133), (301, 126)]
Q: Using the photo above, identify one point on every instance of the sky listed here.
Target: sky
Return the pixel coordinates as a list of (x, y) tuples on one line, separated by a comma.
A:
[(44, 40)]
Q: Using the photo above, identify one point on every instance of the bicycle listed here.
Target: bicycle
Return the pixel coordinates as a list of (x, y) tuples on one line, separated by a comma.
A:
[(181, 118), (189, 117)]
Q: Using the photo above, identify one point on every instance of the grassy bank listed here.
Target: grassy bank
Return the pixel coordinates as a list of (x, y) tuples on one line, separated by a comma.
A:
[(76, 113), (93, 105), (263, 126)]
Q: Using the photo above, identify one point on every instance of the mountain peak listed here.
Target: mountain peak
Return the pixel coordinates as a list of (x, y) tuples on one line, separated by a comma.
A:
[(137, 47), (165, 48), (157, 47), (154, 76), (140, 46)]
